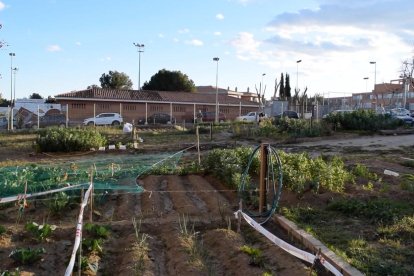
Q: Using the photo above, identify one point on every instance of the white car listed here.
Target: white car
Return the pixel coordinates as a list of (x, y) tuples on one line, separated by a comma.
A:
[(251, 117), (114, 119)]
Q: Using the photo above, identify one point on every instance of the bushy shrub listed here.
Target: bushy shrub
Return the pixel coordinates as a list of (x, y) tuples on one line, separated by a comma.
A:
[(299, 170), (66, 139), (366, 120), (302, 128)]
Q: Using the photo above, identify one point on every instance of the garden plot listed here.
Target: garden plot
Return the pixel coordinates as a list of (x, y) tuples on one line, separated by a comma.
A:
[(179, 225)]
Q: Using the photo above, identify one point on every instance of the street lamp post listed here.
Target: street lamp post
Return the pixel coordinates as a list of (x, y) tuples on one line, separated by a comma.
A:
[(297, 72), (375, 72), (15, 69), (11, 91), (366, 83), (139, 46), (216, 59)]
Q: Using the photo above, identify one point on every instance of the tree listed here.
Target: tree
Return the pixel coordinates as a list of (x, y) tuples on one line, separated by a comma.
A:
[(166, 80), (35, 96), (282, 87), (92, 86), (115, 80), (287, 87)]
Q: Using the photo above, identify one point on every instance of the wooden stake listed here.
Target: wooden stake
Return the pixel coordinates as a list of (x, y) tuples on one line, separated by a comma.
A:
[(263, 178), (198, 145), (91, 202), (239, 217)]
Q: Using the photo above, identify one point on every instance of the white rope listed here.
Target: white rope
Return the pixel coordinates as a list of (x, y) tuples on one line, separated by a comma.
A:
[(69, 269), (303, 255)]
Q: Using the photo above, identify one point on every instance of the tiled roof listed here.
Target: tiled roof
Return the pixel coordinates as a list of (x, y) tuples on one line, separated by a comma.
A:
[(161, 96)]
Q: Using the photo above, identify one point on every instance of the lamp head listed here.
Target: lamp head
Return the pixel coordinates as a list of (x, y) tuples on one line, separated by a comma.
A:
[(298, 61), (216, 59)]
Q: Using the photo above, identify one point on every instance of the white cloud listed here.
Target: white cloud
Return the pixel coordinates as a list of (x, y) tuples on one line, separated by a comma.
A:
[(246, 46), (195, 42), (78, 43), (2, 6), (161, 35), (54, 48), (217, 33), (184, 31), (219, 16), (176, 40)]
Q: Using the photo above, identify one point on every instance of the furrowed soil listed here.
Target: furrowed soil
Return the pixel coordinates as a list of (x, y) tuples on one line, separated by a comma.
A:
[(185, 224)]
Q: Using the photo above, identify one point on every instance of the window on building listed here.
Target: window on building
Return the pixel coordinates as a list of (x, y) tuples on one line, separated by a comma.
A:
[(179, 108), (78, 106), (156, 107), (130, 107), (103, 106)]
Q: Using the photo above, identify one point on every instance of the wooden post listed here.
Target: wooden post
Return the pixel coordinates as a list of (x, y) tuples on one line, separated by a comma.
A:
[(263, 179), (211, 131), (91, 203), (198, 144), (239, 217)]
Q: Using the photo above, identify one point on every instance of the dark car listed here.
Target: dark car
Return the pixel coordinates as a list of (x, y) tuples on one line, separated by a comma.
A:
[(48, 120), (287, 113), (210, 116), (159, 118)]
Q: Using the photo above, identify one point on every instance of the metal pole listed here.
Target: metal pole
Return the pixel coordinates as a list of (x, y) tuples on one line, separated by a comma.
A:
[(11, 91), (375, 72), (216, 59), (297, 73), (139, 46)]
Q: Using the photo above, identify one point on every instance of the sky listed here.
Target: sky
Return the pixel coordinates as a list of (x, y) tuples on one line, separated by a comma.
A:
[(66, 45)]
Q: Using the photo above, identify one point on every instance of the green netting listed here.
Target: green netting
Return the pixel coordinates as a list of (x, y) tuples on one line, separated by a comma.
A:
[(108, 173)]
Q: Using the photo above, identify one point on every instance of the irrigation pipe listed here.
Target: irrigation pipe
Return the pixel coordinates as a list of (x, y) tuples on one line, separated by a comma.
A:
[(299, 253), (20, 196), (78, 235)]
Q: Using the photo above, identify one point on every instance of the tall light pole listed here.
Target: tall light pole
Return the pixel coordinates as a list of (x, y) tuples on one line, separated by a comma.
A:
[(11, 91), (375, 72), (297, 72), (15, 69), (216, 59), (140, 50), (366, 83)]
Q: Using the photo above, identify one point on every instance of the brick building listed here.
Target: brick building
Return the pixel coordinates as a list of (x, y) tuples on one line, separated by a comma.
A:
[(136, 105)]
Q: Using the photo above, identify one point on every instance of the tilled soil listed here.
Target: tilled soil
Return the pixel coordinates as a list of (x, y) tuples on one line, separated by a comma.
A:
[(185, 222)]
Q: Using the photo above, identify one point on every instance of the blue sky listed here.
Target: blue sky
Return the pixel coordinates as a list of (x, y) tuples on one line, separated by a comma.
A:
[(65, 45)]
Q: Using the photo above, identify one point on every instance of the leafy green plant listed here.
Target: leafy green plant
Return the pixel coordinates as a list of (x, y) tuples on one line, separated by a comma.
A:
[(255, 254), (97, 231), (362, 171), (16, 272), (2, 229), (69, 139), (27, 255), (92, 245), (42, 231), (58, 203), (407, 182)]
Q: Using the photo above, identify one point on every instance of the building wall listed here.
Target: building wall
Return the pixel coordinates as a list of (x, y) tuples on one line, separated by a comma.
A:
[(78, 110)]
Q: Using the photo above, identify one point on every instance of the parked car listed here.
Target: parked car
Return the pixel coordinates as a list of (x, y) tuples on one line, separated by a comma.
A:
[(4, 123), (287, 113), (160, 118), (47, 120), (210, 116), (114, 119), (251, 117), (400, 112)]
